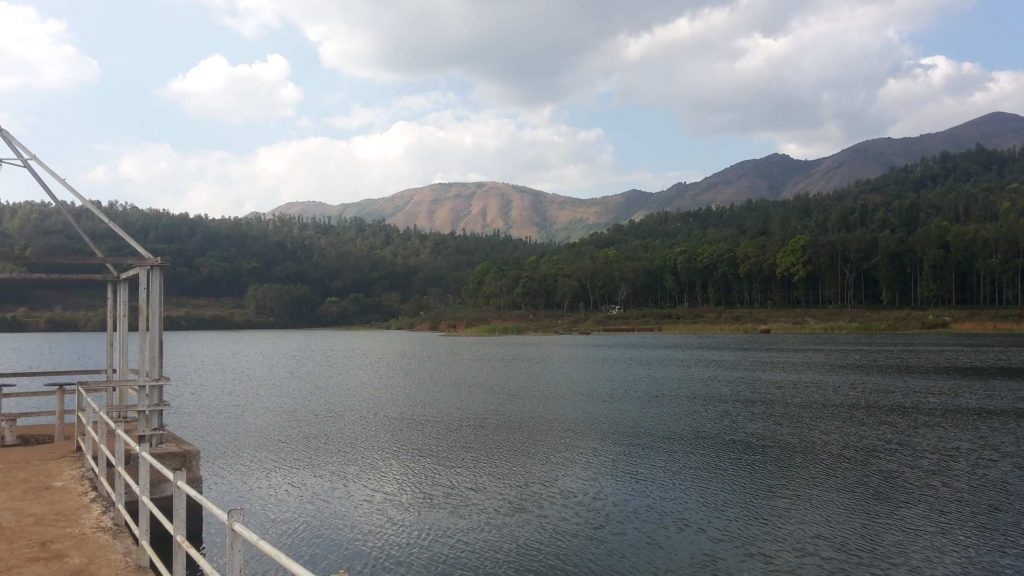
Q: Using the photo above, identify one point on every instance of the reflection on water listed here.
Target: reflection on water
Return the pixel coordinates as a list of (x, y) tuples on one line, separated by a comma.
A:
[(402, 453)]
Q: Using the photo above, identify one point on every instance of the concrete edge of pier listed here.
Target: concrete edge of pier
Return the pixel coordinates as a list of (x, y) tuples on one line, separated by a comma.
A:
[(52, 521)]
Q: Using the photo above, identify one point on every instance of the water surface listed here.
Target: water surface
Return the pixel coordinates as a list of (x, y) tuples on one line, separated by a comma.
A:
[(406, 453)]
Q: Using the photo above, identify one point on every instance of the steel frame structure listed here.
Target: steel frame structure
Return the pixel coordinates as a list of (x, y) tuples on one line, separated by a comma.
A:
[(145, 271)]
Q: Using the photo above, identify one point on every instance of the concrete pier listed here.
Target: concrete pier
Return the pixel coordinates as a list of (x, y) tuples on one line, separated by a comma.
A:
[(42, 482), (52, 521)]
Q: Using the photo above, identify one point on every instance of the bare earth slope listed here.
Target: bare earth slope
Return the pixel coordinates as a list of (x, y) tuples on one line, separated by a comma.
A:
[(483, 207)]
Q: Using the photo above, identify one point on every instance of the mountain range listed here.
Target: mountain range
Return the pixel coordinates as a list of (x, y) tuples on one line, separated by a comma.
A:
[(483, 207)]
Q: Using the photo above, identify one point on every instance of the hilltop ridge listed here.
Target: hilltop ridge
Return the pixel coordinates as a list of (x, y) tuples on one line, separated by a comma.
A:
[(483, 207)]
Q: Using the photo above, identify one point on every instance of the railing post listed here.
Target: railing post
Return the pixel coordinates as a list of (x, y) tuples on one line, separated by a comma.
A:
[(58, 425), (101, 455), (10, 426), (78, 412), (155, 355), (178, 513), (88, 426), (122, 343), (143, 509), (118, 475), (111, 315), (142, 393), (8, 434), (235, 559)]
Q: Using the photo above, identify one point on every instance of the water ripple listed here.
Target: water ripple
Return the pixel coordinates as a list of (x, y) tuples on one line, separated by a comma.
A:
[(395, 453)]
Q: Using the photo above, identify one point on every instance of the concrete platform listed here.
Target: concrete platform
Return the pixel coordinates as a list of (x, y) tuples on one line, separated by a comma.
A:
[(51, 519)]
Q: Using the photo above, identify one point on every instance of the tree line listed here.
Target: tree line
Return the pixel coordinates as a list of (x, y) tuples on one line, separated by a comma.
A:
[(945, 231)]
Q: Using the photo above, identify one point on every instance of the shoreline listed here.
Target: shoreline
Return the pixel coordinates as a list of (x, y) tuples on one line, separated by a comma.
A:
[(731, 321), (472, 322)]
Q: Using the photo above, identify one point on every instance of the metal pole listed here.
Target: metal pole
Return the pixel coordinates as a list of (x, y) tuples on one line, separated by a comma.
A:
[(122, 339), (118, 475), (235, 560), (88, 425), (78, 411), (110, 343), (9, 138), (143, 509), (144, 336), (11, 143), (178, 519), (101, 455), (156, 349)]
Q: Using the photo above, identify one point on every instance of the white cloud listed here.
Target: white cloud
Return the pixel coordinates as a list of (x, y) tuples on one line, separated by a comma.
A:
[(214, 88), (448, 145), (36, 52), (249, 17), (806, 75), (522, 51), (811, 75), (937, 87), (402, 108)]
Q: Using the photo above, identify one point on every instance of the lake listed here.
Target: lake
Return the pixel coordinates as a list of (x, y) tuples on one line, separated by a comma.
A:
[(413, 453)]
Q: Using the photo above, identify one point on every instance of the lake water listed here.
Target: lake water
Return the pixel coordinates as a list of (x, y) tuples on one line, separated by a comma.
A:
[(409, 453)]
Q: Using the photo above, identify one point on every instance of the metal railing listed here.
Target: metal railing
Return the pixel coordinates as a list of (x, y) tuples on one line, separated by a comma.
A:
[(9, 420), (94, 444)]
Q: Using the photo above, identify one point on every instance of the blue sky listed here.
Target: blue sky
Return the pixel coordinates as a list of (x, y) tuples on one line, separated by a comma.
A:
[(228, 106)]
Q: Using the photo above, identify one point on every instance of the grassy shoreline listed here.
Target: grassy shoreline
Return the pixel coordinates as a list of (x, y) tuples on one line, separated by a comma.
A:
[(728, 321), (231, 315)]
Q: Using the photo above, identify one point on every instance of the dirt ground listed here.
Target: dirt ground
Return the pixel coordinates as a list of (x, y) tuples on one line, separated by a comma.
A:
[(52, 521)]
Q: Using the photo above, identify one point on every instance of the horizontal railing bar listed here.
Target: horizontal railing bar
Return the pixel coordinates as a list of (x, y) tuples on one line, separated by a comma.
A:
[(99, 385), (138, 261), (280, 557), (35, 393), (95, 467), (136, 407), (156, 559), (132, 272), (262, 545), (106, 485), (135, 488), (163, 520), (206, 504), (128, 519), (202, 562), (132, 382), (128, 478), (36, 414), (110, 456), (30, 277), (45, 373)]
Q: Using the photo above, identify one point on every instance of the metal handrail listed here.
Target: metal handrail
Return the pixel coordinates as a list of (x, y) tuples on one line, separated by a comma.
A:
[(237, 532), (9, 420)]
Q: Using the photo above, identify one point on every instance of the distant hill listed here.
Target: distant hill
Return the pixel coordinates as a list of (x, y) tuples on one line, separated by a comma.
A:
[(484, 207), (524, 212)]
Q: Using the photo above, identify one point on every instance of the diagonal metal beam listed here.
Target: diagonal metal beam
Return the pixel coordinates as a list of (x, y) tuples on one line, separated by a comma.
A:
[(63, 182), (9, 140)]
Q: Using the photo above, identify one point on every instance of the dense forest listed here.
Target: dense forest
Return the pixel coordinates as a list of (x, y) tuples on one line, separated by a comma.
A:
[(946, 231)]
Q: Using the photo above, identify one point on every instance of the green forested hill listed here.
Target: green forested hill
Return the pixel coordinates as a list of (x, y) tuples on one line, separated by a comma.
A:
[(944, 231)]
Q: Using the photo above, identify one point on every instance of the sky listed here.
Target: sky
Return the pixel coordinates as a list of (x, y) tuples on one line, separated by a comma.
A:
[(228, 106)]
